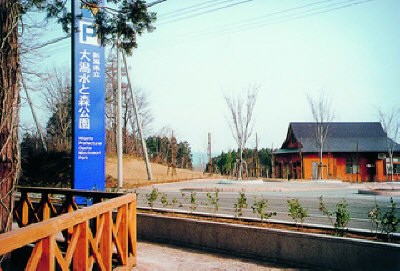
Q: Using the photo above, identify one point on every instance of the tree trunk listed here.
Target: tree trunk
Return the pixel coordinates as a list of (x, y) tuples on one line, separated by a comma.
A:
[(9, 102), (391, 165), (239, 175), (321, 140)]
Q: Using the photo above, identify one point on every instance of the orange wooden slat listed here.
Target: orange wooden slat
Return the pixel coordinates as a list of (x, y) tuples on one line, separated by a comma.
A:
[(24, 213), (81, 253), (64, 265), (132, 228), (118, 221), (95, 251), (123, 233), (35, 257), (99, 229), (72, 244), (106, 244), (117, 243), (47, 261)]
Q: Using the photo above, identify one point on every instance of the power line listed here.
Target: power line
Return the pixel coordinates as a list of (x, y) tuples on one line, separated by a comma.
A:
[(288, 10), (295, 16), (239, 24), (286, 15), (206, 12), (267, 20), (182, 10)]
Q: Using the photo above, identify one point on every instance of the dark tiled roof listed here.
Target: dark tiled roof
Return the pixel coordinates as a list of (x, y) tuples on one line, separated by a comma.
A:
[(342, 137), (340, 129)]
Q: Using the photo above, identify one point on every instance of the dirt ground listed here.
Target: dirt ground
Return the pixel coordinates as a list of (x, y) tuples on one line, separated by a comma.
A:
[(135, 174), (162, 257)]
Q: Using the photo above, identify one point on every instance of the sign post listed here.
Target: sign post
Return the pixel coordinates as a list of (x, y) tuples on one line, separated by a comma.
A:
[(88, 66)]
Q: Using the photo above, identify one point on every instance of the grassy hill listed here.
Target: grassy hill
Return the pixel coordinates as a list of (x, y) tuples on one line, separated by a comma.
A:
[(135, 174)]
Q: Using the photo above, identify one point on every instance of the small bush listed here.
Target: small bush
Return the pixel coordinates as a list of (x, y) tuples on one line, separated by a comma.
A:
[(296, 211), (193, 201), (152, 197), (164, 200), (214, 201), (260, 208), (341, 214), (241, 204), (387, 221)]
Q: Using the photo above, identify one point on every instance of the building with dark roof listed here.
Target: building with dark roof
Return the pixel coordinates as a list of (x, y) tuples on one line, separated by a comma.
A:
[(352, 151)]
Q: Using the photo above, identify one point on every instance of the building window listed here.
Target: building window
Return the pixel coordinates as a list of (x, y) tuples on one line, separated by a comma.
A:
[(396, 166), (352, 166)]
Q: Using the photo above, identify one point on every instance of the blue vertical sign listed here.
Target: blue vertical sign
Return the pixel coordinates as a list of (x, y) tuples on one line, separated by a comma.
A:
[(89, 101)]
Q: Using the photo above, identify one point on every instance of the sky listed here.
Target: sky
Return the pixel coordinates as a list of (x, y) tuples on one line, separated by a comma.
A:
[(202, 50)]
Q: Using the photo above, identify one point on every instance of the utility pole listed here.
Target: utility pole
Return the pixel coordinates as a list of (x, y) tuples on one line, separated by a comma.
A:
[(272, 162), (172, 164), (33, 113), (119, 116), (209, 155), (139, 123), (256, 161), (119, 119)]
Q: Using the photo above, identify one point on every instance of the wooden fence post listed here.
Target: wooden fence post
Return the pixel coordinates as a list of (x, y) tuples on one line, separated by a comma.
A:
[(123, 233), (47, 261), (106, 244), (81, 255)]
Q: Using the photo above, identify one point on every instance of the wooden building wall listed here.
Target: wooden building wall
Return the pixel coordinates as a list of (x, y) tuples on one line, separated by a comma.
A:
[(291, 166)]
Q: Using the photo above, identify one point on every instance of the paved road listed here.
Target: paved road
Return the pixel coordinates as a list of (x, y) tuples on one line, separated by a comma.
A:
[(277, 194)]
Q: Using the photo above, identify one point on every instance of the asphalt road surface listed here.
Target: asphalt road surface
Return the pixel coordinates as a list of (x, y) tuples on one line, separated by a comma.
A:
[(200, 196)]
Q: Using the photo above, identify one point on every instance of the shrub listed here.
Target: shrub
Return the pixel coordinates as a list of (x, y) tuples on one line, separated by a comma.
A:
[(214, 201), (241, 204), (296, 211), (152, 197), (164, 200), (260, 208), (387, 221), (193, 201), (341, 214)]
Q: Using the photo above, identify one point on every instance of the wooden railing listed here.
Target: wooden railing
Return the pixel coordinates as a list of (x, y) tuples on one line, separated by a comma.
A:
[(100, 237), (36, 204)]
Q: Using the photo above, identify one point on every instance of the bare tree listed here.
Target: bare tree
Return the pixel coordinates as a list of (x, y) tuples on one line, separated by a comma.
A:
[(32, 42), (241, 116), (321, 110), (129, 122), (57, 97), (390, 124)]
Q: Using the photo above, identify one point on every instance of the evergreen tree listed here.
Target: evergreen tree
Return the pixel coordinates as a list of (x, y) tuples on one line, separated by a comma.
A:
[(226, 161)]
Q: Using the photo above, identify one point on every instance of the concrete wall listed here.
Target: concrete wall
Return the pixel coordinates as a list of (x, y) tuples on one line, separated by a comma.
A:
[(299, 248)]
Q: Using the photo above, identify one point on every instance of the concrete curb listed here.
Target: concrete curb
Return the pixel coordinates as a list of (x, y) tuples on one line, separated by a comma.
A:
[(310, 250)]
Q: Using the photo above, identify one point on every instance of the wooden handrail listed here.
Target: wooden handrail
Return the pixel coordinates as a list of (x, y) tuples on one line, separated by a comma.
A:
[(67, 191), (28, 210), (86, 245)]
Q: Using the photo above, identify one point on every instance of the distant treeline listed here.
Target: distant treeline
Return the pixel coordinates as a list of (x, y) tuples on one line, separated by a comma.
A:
[(258, 163), (164, 150)]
